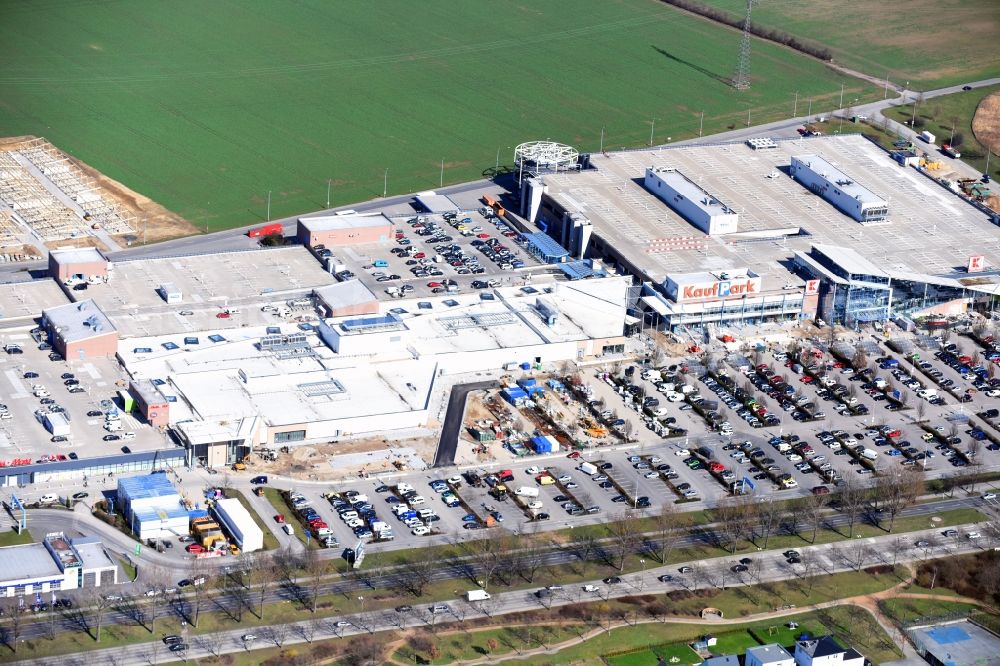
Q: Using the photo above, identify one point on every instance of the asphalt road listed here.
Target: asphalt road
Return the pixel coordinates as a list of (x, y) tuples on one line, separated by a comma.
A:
[(448, 444), (396, 577), (767, 566)]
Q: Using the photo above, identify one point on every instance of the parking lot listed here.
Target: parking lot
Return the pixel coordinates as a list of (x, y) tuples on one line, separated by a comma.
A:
[(33, 385), (430, 253)]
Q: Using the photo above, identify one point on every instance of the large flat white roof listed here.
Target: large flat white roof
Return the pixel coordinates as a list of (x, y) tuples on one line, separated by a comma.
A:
[(79, 321), (332, 222), (933, 232)]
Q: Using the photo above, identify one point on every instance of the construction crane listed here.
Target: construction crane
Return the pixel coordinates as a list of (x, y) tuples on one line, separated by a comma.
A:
[(742, 79)]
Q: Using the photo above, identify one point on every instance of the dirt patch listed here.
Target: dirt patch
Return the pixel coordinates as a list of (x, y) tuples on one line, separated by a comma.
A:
[(312, 461), (986, 122), (79, 241)]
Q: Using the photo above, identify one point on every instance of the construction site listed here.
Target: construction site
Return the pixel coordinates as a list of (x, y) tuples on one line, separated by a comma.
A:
[(49, 199)]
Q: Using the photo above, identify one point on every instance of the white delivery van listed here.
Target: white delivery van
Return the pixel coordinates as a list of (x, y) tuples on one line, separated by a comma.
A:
[(526, 491), (587, 468), (870, 454), (477, 595), (288, 529)]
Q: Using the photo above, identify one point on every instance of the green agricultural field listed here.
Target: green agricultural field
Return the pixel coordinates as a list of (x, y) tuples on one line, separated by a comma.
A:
[(930, 43), (207, 106)]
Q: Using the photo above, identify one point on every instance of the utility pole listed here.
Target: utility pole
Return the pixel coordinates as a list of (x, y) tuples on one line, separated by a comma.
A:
[(652, 127), (885, 93), (913, 118), (498, 158), (701, 123), (748, 117), (809, 115), (269, 205), (329, 184), (602, 139), (385, 183), (795, 107), (442, 172)]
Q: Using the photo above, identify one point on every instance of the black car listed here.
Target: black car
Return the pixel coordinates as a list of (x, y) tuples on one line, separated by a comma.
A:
[(740, 568), (67, 375), (31, 375), (95, 412), (178, 647), (382, 489), (560, 498), (111, 438), (71, 382), (606, 465), (80, 495), (72, 455), (612, 580), (665, 578), (404, 609), (173, 639), (542, 516)]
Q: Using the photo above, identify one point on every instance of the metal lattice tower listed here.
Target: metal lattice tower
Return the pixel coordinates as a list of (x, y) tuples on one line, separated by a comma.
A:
[(742, 79)]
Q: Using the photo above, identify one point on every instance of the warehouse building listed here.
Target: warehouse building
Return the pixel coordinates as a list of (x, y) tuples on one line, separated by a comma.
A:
[(829, 182), (152, 507), (80, 330), (57, 564), (83, 264), (239, 524), (343, 230), (939, 255)]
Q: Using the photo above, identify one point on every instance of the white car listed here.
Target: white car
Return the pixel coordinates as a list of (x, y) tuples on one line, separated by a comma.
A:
[(535, 505), (534, 469), (246, 638), (455, 480), (591, 588), (682, 452), (974, 535), (421, 530), (565, 478), (655, 459), (989, 496)]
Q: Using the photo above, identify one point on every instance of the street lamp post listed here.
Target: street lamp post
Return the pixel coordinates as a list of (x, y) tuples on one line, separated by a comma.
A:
[(385, 183), (329, 185), (652, 128), (795, 107), (269, 205)]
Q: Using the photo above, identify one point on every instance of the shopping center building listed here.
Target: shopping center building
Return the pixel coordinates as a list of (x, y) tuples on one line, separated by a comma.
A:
[(727, 235)]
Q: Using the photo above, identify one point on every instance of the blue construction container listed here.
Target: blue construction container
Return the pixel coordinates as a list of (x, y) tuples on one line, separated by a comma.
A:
[(541, 444), (513, 395)]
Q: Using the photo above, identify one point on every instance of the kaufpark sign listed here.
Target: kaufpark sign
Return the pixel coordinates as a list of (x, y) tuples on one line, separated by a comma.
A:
[(720, 289)]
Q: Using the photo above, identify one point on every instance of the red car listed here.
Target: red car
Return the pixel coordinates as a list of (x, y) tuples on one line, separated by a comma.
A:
[(434, 285), (420, 255), (222, 315), (574, 456), (279, 519), (807, 379), (716, 467), (195, 548), (483, 236), (894, 433)]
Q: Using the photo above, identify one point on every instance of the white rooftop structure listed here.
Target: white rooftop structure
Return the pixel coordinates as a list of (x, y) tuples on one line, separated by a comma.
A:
[(437, 203), (78, 255), (691, 201), (826, 180), (350, 221)]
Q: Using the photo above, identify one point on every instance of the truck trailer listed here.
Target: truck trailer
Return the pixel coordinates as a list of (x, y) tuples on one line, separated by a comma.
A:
[(477, 595)]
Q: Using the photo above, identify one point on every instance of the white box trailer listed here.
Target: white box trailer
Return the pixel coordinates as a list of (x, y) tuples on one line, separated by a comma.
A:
[(477, 595), (526, 491), (240, 525), (587, 468), (57, 424)]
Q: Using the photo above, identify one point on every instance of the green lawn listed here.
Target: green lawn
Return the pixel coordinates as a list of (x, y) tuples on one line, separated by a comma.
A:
[(12, 538), (652, 641), (903, 610), (940, 114), (930, 43), (207, 107), (460, 646)]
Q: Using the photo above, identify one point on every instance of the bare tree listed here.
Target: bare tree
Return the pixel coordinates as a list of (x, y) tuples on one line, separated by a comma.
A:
[(668, 524), (100, 603), (730, 515), (276, 633), (367, 651), (198, 593), (814, 508), (624, 531), (13, 628), (972, 455), (491, 555), (419, 574), (768, 515), (860, 359), (155, 579), (897, 491), (851, 501), (262, 573), (531, 556), (314, 570)]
